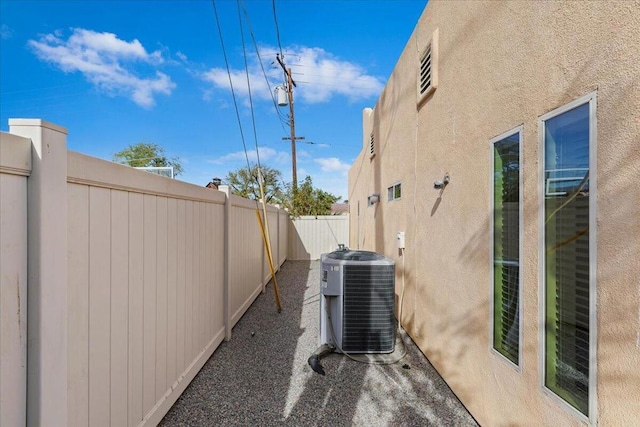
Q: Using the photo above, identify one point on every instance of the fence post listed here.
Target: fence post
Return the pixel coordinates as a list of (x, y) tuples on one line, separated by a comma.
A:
[(227, 279), (277, 257), (47, 272), (265, 224)]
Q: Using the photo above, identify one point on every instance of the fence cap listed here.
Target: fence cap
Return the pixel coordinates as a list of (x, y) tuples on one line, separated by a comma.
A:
[(38, 123)]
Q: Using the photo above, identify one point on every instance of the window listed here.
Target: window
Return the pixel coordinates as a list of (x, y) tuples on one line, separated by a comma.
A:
[(394, 192), (428, 71), (567, 222), (506, 227)]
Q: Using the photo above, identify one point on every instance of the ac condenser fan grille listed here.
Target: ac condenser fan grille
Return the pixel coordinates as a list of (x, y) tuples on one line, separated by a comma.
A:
[(368, 313)]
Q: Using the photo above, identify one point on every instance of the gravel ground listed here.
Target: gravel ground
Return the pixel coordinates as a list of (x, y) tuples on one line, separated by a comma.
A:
[(261, 376)]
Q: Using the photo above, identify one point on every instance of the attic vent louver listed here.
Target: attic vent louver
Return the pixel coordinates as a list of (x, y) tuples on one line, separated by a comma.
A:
[(428, 72), (425, 70), (372, 146)]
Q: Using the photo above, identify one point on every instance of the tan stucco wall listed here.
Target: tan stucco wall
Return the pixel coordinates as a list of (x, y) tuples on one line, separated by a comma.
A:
[(501, 65)]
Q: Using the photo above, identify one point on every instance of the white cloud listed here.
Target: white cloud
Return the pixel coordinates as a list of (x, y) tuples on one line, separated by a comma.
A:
[(303, 154), (328, 75), (333, 164), (207, 95), (266, 154), (5, 32), (106, 61), (282, 157), (182, 57), (220, 79), (320, 76)]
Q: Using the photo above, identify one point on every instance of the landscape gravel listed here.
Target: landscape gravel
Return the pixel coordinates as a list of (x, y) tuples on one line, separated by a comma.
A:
[(261, 376)]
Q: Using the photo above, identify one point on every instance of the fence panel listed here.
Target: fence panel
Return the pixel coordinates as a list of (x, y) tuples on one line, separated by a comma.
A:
[(245, 256), (283, 233), (147, 279), (311, 236), (143, 297), (272, 222), (15, 167)]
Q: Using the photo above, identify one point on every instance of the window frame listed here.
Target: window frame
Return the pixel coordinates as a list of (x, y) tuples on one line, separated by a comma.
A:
[(392, 188), (590, 99), (517, 130)]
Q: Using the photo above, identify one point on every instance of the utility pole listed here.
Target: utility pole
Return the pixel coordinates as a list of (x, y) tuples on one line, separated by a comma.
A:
[(290, 85)]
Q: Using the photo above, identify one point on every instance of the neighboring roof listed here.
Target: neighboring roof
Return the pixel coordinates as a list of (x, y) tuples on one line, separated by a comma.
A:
[(340, 209)]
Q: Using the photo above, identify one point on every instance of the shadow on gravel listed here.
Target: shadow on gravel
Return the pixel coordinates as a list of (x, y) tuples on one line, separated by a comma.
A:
[(261, 376)]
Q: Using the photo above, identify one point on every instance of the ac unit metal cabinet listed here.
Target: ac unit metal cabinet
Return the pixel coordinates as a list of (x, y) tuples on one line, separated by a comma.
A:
[(359, 288)]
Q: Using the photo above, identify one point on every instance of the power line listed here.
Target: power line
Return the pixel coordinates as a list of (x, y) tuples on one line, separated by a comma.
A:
[(333, 85), (275, 19), (290, 85), (246, 68), (316, 75), (321, 144), (338, 66), (265, 235), (269, 53), (233, 93), (264, 73)]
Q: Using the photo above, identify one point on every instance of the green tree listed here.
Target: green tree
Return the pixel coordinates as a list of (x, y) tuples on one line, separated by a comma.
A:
[(147, 154), (308, 200), (244, 183)]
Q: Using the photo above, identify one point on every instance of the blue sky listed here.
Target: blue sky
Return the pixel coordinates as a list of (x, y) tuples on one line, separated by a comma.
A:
[(116, 73)]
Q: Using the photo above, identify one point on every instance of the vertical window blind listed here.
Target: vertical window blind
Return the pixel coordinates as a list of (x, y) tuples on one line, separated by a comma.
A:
[(566, 246), (506, 247)]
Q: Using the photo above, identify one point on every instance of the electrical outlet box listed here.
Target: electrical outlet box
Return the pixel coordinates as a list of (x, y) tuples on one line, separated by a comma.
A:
[(331, 284), (400, 237)]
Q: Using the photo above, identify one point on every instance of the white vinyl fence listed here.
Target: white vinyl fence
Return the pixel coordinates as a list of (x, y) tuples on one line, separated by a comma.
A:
[(133, 281), (15, 167), (311, 236)]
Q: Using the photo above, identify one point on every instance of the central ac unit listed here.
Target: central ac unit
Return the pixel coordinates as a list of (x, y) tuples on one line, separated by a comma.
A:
[(357, 307)]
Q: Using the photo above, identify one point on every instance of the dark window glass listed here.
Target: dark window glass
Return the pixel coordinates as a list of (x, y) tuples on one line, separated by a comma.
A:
[(566, 246), (506, 247)]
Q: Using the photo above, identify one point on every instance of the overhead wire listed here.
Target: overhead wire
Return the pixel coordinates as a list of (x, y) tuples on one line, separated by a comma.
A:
[(246, 68), (332, 85), (244, 145), (233, 93), (264, 73), (336, 66), (264, 224), (275, 19)]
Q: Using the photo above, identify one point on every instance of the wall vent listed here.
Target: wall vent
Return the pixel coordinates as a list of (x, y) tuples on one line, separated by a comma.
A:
[(428, 71), (425, 70), (372, 146)]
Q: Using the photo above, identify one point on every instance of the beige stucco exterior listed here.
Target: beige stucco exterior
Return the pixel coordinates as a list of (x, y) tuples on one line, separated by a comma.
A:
[(502, 65)]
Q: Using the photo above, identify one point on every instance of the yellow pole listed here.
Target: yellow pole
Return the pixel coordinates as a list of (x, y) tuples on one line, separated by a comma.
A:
[(266, 238), (273, 273)]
